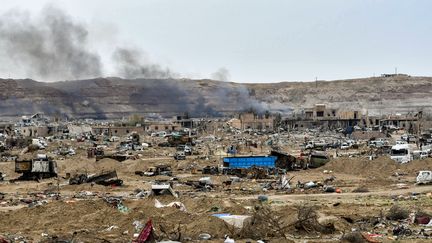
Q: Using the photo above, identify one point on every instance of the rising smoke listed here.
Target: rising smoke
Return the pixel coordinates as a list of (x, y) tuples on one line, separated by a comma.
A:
[(131, 63), (51, 46), (222, 74)]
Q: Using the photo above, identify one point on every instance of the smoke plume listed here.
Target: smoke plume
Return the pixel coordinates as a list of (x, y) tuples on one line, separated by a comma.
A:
[(131, 63), (51, 46), (222, 74)]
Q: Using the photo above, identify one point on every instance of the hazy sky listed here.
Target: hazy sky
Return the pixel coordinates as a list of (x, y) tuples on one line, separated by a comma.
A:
[(260, 40)]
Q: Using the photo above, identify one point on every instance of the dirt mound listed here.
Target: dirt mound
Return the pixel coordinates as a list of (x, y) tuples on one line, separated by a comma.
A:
[(362, 166), (107, 164), (382, 167), (79, 164), (91, 219)]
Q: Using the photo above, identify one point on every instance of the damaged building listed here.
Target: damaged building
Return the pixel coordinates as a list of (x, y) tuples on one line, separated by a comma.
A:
[(253, 121), (329, 118)]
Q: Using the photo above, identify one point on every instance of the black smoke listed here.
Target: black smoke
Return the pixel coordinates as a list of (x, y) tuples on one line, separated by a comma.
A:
[(132, 63), (53, 46), (50, 46)]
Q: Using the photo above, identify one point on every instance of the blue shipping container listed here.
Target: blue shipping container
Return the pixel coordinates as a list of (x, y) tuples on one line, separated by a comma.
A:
[(247, 162)]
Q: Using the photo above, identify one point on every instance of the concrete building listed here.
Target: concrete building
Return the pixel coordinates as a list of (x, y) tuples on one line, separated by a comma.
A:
[(235, 122), (158, 126), (322, 116), (407, 122), (117, 130), (37, 131), (256, 122)]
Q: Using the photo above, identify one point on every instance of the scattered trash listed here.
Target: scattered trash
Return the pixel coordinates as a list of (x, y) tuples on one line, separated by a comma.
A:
[(263, 198), (177, 205), (204, 236), (235, 220), (111, 228), (161, 189), (310, 184), (147, 234)]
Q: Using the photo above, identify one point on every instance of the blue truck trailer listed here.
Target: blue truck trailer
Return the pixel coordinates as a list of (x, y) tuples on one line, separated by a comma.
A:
[(249, 161), (257, 167)]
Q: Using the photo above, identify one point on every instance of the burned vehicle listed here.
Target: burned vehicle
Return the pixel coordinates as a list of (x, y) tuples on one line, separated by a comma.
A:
[(106, 179), (38, 168), (156, 170), (317, 159), (180, 155)]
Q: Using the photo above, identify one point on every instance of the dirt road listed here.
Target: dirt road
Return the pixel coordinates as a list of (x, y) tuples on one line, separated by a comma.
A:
[(301, 197)]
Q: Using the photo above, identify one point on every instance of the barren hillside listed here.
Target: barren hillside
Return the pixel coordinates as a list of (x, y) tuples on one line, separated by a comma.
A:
[(377, 95), (115, 97)]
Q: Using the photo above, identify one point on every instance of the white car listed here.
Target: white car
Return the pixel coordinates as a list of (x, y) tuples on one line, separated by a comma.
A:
[(114, 139), (424, 177), (345, 146), (188, 150)]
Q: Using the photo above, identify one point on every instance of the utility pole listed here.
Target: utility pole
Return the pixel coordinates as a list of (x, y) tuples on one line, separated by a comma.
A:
[(419, 126), (316, 82), (395, 70)]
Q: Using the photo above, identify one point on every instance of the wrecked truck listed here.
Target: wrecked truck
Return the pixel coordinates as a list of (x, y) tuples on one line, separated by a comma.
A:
[(156, 170), (40, 167), (106, 179), (248, 165)]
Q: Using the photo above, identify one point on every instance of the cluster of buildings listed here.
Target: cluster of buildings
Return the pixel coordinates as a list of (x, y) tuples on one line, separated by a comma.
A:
[(319, 116), (40, 126), (329, 118)]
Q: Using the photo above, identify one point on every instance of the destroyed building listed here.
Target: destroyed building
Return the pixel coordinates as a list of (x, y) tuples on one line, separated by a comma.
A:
[(38, 131), (330, 118), (155, 126), (117, 130), (253, 121)]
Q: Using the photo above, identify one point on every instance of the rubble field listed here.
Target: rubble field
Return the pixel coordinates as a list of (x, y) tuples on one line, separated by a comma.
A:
[(80, 213), (349, 199)]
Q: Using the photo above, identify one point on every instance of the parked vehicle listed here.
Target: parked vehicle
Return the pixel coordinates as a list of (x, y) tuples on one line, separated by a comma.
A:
[(114, 139), (185, 148), (345, 146), (180, 155), (424, 177), (376, 144), (42, 144), (401, 153), (419, 154)]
